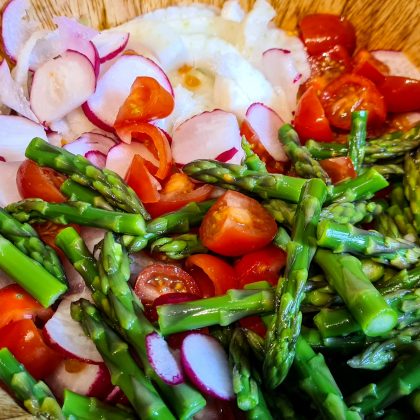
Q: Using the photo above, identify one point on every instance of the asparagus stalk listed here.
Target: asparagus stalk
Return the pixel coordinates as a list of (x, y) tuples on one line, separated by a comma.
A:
[(357, 139), (25, 238), (389, 170), (405, 279), (35, 396), (285, 327), (80, 407), (386, 225), (321, 150), (34, 278), (344, 273), (305, 165), (178, 247), (400, 382), (411, 183), (123, 369), (403, 258), (252, 161), (282, 238), (36, 210), (80, 170)]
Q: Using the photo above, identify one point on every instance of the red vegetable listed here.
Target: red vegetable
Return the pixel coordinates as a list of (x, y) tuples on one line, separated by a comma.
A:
[(401, 94), (339, 168)]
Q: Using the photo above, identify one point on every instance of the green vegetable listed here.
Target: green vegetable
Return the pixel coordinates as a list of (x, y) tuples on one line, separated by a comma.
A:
[(178, 247), (252, 161), (357, 139), (411, 184)]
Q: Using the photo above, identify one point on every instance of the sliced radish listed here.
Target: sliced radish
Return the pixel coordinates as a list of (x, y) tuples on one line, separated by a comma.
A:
[(227, 155), (16, 134), (266, 123), (5, 280), (162, 360), (206, 365), (76, 283), (114, 87), (97, 158), (280, 70), (15, 26), (116, 396), (61, 85), (110, 43), (92, 236), (66, 335), (207, 136), (82, 378), (398, 63), (8, 191), (120, 156)]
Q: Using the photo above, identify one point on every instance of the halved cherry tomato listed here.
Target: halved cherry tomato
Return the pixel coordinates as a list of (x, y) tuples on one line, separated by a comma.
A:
[(147, 101), (142, 181), (158, 279), (339, 168), (350, 93), (366, 65), (178, 192), (236, 224), (401, 94), (17, 304), (34, 181), (310, 121), (219, 272), (155, 140), (48, 231), (264, 264), (254, 323), (25, 341), (322, 31)]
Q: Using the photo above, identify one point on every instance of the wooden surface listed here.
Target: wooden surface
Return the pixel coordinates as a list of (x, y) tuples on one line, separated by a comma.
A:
[(380, 24)]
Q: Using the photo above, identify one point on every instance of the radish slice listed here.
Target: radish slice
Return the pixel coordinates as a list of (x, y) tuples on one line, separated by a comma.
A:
[(266, 123), (279, 68), (17, 132), (110, 43), (76, 283), (120, 156), (12, 95), (207, 136), (398, 63), (15, 27), (5, 280), (96, 158), (92, 236), (66, 335), (115, 85), (8, 191), (162, 360), (61, 85), (116, 396), (206, 365), (88, 379)]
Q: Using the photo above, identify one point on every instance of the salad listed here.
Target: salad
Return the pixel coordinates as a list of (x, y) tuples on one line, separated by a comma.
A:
[(203, 216)]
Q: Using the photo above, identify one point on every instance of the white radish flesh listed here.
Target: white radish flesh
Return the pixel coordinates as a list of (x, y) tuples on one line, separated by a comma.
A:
[(115, 85), (266, 123), (206, 365), (398, 63), (207, 136), (110, 43), (9, 192), (61, 85)]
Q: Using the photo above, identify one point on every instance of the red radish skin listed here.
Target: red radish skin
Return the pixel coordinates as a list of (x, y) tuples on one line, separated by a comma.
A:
[(96, 158), (266, 123), (228, 155), (162, 360), (207, 136), (110, 43), (61, 85), (206, 365), (114, 87), (116, 396)]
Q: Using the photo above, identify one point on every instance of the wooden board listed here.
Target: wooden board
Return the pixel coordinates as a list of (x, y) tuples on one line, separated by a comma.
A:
[(380, 24)]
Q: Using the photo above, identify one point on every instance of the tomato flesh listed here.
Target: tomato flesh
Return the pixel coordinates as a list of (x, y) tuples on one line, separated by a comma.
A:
[(236, 224), (366, 65), (339, 168), (401, 94)]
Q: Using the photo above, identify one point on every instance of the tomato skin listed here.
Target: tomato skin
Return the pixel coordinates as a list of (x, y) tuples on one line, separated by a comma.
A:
[(48, 231), (310, 121), (254, 323), (17, 304), (25, 341), (366, 65), (219, 272), (323, 31), (339, 168), (349, 93), (33, 181), (236, 224), (401, 94), (264, 264), (159, 279)]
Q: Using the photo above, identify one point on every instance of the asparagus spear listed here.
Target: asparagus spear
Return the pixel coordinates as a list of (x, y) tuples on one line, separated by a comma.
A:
[(405, 279), (35, 396), (401, 381), (403, 258), (386, 225), (123, 369), (389, 170), (34, 278), (357, 139), (305, 165), (80, 407), (25, 238), (80, 170), (252, 160), (285, 327), (344, 273), (178, 247), (411, 183), (36, 210), (282, 238)]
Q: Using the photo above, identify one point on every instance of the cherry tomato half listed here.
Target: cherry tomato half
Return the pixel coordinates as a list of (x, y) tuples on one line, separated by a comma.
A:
[(366, 65), (48, 231), (401, 94), (339, 168), (236, 224)]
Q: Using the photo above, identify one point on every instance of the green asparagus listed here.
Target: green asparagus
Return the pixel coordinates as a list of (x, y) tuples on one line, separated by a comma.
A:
[(252, 161), (411, 183), (178, 247), (357, 139), (405, 279), (389, 170)]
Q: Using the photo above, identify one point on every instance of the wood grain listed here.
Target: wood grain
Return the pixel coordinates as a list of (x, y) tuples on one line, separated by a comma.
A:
[(380, 24)]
